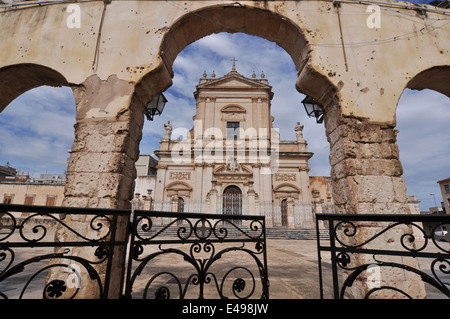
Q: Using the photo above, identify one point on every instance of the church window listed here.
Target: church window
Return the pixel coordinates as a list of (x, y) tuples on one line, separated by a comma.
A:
[(284, 218), (233, 130)]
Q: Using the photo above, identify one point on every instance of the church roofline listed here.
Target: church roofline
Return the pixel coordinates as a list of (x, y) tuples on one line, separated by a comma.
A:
[(207, 82), (253, 84)]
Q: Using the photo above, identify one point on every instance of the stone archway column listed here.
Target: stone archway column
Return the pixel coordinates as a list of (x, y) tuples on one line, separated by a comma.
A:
[(101, 169), (366, 176)]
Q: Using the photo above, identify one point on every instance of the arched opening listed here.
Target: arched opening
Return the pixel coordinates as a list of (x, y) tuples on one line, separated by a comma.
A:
[(232, 200), (422, 119), (19, 78), (219, 29), (36, 124), (208, 54), (210, 49), (232, 18)]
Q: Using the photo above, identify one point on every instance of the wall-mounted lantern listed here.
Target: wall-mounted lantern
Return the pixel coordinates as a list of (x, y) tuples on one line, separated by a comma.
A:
[(313, 109), (155, 107)]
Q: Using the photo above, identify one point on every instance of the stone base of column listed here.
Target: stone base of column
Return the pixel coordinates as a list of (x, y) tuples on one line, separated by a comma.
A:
[(366, 175)]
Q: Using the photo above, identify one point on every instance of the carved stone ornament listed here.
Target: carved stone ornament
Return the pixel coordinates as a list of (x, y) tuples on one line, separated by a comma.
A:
[(242, 173), (180, 176), (285, 177)]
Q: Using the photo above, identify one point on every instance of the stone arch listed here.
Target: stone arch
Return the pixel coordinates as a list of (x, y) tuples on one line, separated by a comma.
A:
[(229, 185), (234, 18), (232, 186), (19, 78), (436, 78)]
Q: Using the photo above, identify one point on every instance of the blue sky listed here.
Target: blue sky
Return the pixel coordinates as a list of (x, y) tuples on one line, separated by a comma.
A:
[(37, 128)]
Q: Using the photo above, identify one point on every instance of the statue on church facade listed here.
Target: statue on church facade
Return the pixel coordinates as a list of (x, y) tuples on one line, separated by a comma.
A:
[(168, 133), (299, 131)]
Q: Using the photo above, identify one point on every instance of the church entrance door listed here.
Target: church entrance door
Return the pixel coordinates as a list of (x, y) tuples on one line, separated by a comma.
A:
[(232, 202), (180, 208), (284, 219)]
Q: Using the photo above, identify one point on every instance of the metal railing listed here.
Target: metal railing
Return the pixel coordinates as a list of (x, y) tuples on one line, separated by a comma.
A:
[(223, 256), (35, 265), (190, 256), (370, 255)]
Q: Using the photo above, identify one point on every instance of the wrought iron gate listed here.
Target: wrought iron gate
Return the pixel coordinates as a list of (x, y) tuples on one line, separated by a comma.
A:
[(197, 256), (360, 257), (191, 256)]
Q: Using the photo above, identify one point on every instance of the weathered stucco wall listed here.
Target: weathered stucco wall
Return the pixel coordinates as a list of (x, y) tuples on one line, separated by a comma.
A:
[(378, 63)]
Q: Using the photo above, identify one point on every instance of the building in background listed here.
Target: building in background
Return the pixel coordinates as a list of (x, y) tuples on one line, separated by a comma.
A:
[(233, 161), (7, 171), (445, 191), (18, 188)]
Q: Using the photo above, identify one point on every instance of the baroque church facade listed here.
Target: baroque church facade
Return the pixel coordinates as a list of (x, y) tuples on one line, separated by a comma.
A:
[(233, 161)]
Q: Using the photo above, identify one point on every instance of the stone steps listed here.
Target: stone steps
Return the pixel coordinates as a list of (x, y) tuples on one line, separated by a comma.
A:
[(271, 233), (299, 234)]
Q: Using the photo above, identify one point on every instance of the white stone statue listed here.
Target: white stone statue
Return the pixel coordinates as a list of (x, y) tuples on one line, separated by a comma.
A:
[(299, 131), (168, 133)]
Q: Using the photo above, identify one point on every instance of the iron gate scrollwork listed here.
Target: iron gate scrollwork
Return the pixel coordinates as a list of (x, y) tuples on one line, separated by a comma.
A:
[(417, 245), (192, 255), (197, 256), (35, 265)]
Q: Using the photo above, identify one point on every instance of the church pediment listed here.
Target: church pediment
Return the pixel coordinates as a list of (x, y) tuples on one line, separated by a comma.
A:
[(232, 171), (234, 81)]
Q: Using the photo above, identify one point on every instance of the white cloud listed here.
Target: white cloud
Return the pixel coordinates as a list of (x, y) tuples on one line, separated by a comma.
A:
[(37, 130), (424, 143)]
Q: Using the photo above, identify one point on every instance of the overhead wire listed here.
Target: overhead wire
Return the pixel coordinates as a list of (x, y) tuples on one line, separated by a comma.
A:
[(381, 41)]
